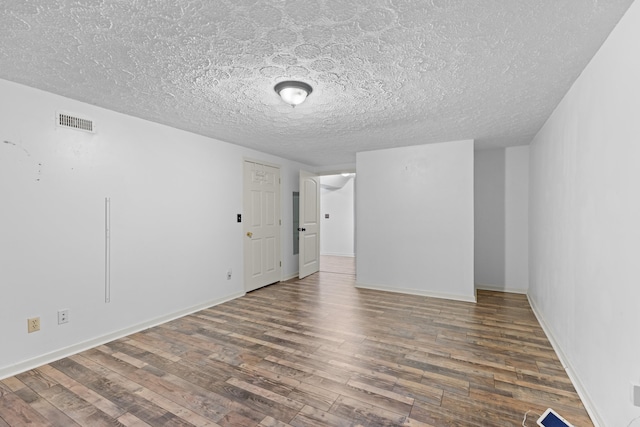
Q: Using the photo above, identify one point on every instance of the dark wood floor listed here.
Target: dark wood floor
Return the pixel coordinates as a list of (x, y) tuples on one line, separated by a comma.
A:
[(315, 352)]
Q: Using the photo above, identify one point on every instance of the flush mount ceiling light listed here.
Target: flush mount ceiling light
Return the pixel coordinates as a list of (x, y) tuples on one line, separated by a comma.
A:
[(292, 92)]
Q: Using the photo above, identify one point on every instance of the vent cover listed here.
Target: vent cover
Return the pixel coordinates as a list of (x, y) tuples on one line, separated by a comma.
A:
[(68, 121)]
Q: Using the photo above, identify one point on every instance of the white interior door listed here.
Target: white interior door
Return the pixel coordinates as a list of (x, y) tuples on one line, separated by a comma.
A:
[(261, 231), (309, 253)]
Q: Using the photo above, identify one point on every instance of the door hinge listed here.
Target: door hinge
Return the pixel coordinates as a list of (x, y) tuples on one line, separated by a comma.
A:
[(280, 221), (280, 263)]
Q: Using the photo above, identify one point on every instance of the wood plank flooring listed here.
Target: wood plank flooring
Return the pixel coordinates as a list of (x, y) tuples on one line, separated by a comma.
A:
[(314, 352)]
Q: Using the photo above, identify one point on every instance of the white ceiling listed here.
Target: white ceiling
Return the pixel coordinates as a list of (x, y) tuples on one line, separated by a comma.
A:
[(385, 72)]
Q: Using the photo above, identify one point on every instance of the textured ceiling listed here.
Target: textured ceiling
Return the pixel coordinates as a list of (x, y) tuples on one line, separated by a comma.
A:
[(385, 72)]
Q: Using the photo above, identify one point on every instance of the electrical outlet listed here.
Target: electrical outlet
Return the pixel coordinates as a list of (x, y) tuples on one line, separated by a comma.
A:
[(33, 324), (229, 272), (63, 316)]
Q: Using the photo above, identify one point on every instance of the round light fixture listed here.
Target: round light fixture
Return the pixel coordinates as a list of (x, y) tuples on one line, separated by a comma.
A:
[(293, 92)]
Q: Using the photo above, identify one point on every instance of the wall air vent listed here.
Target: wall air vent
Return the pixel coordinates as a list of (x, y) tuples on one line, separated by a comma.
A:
[(69, 121)]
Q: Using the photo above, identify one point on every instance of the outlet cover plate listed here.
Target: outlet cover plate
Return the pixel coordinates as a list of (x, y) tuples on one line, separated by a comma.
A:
[(63, 316), (33, 324)]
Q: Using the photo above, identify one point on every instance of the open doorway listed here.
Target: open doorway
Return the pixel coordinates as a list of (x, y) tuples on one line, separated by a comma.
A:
[(337, 227)]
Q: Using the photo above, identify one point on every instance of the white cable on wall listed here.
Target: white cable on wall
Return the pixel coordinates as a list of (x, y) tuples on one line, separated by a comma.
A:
[(107, 249)]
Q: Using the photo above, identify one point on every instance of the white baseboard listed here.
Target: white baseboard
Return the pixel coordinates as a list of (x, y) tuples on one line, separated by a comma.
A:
[(499, 288), (577, 384), (338, 254), (291, 276), (9, 371), (418, 292)]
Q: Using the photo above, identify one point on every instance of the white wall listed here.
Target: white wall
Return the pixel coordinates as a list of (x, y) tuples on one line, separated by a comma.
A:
[(489, 218), (174, 198), (585, 226), (516, 201), (414, 210), (337, 233)]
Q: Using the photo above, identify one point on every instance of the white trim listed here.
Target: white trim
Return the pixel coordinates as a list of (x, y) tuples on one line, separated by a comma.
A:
[(338, 254), (261, 162), (418, 292), (291, 276), (44, 359), (499, 288), (580, 389)]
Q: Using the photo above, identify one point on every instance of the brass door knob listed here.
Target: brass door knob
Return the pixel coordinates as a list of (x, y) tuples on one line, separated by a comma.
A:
[(249, 234)]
